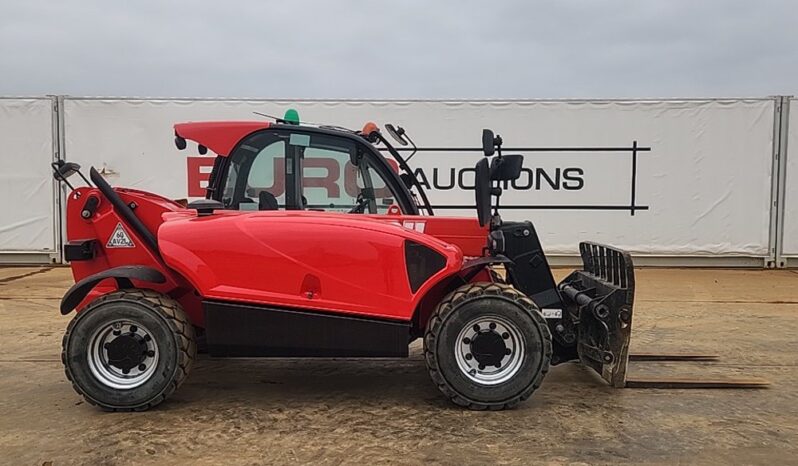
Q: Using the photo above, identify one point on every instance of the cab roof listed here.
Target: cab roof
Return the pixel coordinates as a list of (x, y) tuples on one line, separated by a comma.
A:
[(219, 136), (222, 136)]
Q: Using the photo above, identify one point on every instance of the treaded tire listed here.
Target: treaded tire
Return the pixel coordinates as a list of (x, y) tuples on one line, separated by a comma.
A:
[(445, 324), (172, 332)]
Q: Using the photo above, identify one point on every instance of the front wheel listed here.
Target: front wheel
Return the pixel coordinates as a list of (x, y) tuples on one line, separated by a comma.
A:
[(128, 350), (487, 346)]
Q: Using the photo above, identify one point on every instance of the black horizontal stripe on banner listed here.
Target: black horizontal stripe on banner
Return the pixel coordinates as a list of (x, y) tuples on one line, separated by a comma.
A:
[(549, 207), (526, 149)]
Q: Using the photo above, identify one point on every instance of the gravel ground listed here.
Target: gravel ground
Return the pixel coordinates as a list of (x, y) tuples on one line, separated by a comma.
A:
[(348, 411)]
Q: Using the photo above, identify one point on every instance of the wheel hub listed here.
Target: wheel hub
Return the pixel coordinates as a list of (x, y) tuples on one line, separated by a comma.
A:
[(126, 351), (489, 350), (122, 355)]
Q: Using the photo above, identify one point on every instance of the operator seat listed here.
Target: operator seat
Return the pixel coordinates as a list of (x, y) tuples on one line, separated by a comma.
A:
[(267, 201)]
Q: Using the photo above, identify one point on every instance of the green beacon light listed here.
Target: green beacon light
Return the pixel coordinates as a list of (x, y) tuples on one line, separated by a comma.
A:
[(291, 116)]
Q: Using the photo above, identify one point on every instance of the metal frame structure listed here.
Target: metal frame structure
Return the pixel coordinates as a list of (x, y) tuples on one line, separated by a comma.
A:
[(54, 129), (59, 190), (781, 112), (41, 257), (781, 259)]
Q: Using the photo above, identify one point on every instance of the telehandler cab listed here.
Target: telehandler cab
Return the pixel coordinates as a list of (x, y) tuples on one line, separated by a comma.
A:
[(276, 261)]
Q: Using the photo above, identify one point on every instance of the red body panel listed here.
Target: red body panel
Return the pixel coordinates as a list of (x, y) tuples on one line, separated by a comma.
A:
[(219, 136), (463, 232), (101, 226), (326, 261), (273, 257)]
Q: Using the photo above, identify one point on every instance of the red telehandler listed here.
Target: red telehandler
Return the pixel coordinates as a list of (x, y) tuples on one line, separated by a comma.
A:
[(274, 262)]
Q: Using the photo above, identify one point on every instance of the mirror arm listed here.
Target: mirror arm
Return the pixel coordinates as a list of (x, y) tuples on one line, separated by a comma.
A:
[(64, 180), (86, 180), (403, 164), (415, 149)]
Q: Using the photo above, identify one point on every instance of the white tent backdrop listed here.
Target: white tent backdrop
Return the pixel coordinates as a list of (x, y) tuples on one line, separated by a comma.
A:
[(703, 189), (790, 244), (27, 231)]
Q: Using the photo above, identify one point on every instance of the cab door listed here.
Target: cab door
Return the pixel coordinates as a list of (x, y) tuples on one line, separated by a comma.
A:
[(258, 174), (344, 178)]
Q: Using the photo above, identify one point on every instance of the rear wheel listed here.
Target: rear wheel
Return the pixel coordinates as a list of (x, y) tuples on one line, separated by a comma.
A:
[(128, 350), (487, 346)]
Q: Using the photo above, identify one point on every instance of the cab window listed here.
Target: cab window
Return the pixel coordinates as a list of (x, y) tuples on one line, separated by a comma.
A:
[(332, 182), (256, 174), (279, 169)]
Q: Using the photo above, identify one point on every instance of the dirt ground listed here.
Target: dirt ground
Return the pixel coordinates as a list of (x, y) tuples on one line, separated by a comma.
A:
[(387, 411)]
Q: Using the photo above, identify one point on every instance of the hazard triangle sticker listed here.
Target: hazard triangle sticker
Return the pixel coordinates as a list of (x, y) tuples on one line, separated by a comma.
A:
[(119, 238)]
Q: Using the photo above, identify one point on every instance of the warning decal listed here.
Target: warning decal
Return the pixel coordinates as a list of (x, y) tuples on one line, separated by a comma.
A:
[(119, 238)]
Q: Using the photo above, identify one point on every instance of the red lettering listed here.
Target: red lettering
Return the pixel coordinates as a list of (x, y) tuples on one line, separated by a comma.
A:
[(353, 189), (199, 172), (328, 182), (350, 180), (278, 181), (197, 177)]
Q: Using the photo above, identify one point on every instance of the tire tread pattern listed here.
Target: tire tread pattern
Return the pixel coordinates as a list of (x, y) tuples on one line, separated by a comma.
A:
[(177, 321), (442, 312)]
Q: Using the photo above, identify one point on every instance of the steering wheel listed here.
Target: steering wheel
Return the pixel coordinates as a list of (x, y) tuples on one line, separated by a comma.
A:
[(360, 207)]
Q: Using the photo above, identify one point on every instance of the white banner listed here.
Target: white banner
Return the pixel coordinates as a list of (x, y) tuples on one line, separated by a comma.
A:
[(26, 182), (790, 244), (701, 176)]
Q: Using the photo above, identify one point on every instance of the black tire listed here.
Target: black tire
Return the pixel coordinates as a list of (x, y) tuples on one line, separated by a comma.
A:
[(454, 313), (171, 331)]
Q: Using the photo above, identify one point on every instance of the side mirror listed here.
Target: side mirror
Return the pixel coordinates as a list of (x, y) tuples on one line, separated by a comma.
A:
[(205, 207), (490, 142), (488, 147), (397, 133), (64, 170), (507, 167)]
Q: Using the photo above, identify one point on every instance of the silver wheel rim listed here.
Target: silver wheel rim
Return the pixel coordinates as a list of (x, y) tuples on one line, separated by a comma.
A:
[(473, 366), (110, 374)]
